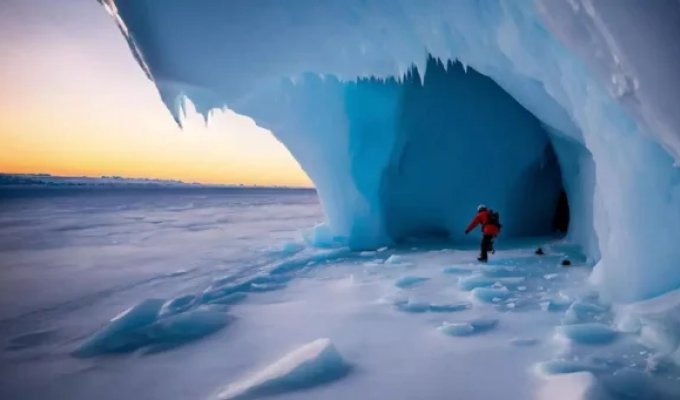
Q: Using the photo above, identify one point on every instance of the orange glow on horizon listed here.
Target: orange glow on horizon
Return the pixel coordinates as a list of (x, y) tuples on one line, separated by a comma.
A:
[(74, 102)]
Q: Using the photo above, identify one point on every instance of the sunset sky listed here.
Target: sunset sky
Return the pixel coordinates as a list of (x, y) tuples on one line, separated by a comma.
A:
[(74, 102)]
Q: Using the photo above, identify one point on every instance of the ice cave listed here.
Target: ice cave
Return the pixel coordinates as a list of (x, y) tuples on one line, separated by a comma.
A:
[(407, 114)]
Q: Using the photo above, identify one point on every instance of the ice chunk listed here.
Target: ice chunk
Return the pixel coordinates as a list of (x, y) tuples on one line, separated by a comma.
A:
[(260, 283), (495, 271), (229, 299), (313, 364), (466, 328), (631, 384), (178, 305), (457, 328), (150, 323), (409, 281), (266, 287), (457, 270), (292, 247), (412, 306), (588, 333), (453, 307), (478, 281), (491, 295), (179, 329), (371, 264), (475, 281), (581, 311), (567, 367), (558, 303), (395, 259), (421, 307), (322, 236), (125, 332)]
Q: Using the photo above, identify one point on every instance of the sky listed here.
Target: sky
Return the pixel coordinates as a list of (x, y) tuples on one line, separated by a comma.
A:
[(74, 102)]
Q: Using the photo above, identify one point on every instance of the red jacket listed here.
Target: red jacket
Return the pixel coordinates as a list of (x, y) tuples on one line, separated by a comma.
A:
[(482, 217)]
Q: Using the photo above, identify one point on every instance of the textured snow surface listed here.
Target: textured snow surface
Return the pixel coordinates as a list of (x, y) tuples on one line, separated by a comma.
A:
[(194, 292), (397, 151)]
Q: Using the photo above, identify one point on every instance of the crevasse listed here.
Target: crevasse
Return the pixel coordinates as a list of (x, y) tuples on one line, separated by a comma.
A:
[(518, 101)]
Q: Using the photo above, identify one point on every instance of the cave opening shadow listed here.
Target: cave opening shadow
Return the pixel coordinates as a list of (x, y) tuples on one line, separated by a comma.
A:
[(537, 201), (561, 218), (462, 140)]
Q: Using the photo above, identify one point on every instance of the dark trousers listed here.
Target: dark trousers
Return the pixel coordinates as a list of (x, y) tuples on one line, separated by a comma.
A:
[(487, 245)]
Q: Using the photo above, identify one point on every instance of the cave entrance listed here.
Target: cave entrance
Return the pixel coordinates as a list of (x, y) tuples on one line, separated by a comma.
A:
[(462, 140)]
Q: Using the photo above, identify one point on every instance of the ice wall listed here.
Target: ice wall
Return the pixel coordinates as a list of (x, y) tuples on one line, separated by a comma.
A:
[(607, 98)]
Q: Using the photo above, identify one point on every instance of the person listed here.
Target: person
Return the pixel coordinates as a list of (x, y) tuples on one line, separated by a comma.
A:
[(490, 229)]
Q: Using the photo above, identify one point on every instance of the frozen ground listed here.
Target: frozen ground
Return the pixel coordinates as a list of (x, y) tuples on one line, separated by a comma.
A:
[(226, 301)]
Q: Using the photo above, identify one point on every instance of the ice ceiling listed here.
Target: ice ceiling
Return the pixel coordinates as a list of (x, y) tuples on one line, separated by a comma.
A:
[(508, 103)]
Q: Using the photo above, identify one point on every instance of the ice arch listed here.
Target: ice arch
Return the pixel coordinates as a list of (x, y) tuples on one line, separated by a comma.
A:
[(291, 66)]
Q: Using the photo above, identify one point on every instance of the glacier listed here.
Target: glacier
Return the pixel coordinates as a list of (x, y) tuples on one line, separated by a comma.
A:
[(405, 115), (408, 114)]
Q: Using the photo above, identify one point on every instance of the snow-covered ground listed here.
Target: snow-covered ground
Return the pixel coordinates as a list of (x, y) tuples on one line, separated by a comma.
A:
[(225, 299)]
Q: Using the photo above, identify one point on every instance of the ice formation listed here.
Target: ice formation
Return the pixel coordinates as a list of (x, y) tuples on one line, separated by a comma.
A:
[(588, 333), (576, 95), (155, 325), (314, 363), (411, 306), (409, 281), (467, 328)]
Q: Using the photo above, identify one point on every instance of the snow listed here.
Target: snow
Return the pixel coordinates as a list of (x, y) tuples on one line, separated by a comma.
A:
[(548, 89), (524, 342), (572, 386), (312, 364), (431, 340)]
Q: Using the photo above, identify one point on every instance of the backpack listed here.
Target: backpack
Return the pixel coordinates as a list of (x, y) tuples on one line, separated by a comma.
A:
[(494, 219)]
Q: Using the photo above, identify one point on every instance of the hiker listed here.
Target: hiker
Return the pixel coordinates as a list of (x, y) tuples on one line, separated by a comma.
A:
[(491, 227)]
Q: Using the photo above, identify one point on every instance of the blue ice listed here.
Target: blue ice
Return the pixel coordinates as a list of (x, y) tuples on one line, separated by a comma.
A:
[(467, 328), (491, 295), (409, 281), (588, 333), (457, 270), (125, 332), (143, 325), (313, 364)]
